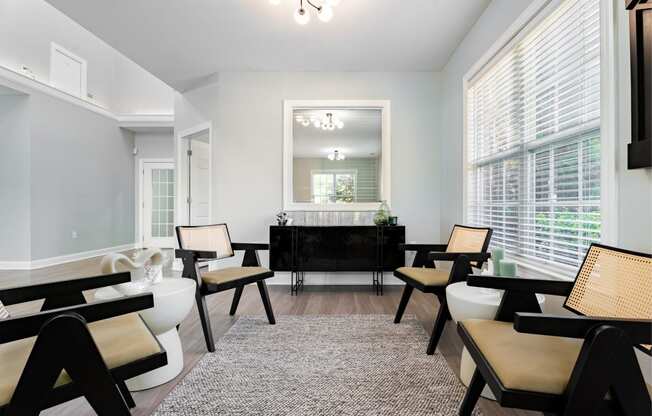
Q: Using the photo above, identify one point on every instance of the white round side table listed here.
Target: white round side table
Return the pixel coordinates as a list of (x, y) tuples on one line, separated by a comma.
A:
[(467, 302), (173, 300)]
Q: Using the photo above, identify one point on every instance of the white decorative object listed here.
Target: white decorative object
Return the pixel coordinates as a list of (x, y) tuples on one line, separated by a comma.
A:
[(150, 257), (173, 300), (466, 302)]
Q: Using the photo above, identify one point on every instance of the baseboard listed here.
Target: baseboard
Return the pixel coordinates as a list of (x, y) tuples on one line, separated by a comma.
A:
[(53, 261), (15, 265)]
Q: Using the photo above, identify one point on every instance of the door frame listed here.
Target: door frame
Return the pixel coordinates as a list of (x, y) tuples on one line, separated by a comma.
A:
[(181, 177), (140, 200)]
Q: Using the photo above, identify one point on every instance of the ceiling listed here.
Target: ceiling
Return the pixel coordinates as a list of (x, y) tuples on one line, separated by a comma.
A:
[(185, 41), (359, 138)]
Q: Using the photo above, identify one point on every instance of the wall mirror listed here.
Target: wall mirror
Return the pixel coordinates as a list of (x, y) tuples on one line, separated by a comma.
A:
[(336, 155)]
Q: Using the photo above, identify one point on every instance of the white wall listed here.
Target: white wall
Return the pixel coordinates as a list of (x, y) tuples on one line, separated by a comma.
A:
[(246, 110), (27, 27)]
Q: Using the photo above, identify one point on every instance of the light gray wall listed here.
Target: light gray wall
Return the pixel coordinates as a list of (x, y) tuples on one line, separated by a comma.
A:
[(71, 170), (246, 110), (27, 27), (14, 179), (490, 26), (82, 180)]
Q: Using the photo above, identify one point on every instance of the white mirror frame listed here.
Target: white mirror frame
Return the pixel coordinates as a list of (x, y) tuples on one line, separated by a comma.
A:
[(288, 155)]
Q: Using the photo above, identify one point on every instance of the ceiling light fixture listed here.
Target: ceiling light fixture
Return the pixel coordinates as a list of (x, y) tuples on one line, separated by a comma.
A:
[(336, 155), (302, 14)]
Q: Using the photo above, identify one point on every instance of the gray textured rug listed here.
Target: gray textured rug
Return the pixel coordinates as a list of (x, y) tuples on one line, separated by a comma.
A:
[(319, 365)]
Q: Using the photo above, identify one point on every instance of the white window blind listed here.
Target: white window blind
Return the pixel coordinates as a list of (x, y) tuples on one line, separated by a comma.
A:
[(533, 140)]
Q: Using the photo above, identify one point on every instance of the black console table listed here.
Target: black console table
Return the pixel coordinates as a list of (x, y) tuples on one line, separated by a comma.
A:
[(336, 248)]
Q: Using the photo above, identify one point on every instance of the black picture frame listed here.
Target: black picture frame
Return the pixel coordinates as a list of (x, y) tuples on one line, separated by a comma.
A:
[(639, 151)]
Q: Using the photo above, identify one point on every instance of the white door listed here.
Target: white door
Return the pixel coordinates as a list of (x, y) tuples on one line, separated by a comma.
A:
[(158, 204), (199, 182)]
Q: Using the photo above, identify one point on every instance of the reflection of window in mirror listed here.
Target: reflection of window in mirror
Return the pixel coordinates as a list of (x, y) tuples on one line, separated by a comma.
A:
[(337, 154)]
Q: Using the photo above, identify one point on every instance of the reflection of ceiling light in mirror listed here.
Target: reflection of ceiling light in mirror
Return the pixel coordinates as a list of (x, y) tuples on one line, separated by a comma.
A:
[(336, 155), (328, 123)]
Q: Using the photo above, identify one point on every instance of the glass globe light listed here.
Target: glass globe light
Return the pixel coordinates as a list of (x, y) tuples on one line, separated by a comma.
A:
[(340, 124), (325, 14), (305, 123), (301, 16), (317, 123)]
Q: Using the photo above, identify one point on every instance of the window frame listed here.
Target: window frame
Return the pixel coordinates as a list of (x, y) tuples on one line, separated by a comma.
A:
[(529, 19), (334, 173)]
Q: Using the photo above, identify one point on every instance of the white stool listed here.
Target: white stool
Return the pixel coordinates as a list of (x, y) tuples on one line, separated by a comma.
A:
[(466, 302), (173, 300)]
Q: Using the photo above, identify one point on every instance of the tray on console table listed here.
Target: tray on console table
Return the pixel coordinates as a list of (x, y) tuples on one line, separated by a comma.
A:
[(336, 248)]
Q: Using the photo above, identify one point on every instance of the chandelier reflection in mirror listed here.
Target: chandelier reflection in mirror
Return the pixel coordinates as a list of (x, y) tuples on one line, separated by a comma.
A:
[(323, 8), (336, 155), (328, 122)]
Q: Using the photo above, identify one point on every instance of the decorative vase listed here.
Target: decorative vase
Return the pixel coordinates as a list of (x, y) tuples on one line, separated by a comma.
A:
[(382, 215)]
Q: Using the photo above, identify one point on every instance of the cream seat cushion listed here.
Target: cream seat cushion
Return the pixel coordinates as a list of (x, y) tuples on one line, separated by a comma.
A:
[(536, 363), (121, 340), (230, 274), (426, 276)]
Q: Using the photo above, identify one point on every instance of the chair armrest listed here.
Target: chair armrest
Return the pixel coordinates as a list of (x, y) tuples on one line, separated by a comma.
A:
[(423, 247), (453, 256), (22, 294), (194, 255), (24, 326), (519, 284), (638, 330), (249, 246)]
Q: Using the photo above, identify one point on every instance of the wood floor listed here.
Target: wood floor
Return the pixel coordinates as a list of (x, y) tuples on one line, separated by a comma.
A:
[(314, 300)]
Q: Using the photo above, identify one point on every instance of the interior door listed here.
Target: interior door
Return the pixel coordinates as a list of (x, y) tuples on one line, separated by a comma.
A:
[(158, 204), (198, 203)]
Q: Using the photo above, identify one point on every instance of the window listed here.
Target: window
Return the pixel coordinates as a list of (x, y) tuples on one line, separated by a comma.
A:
[(533, 140), (333, 186)]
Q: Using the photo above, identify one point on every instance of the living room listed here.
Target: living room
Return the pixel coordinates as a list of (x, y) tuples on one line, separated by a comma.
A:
[(161, 158)]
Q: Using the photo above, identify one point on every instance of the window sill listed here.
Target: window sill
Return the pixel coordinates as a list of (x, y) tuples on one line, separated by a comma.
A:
[(543, 271)]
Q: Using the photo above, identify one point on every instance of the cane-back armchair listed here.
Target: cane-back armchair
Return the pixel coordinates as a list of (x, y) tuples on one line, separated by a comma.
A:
[(466, 249), (204, 243), (71, 349), (583, 364)]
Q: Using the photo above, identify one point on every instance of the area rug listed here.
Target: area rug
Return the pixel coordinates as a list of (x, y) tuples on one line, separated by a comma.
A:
[(319, 365)]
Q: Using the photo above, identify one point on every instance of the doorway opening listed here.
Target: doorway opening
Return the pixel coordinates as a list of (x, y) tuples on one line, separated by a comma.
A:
[(194, 158)]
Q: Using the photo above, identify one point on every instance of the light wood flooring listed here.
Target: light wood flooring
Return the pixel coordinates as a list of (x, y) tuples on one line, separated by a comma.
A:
[(314, 300)]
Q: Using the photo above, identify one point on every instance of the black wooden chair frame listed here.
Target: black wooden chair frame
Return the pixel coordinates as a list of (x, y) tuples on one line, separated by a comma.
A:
[(64, 316), (606, 362), (426, 255), (194, 262)]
